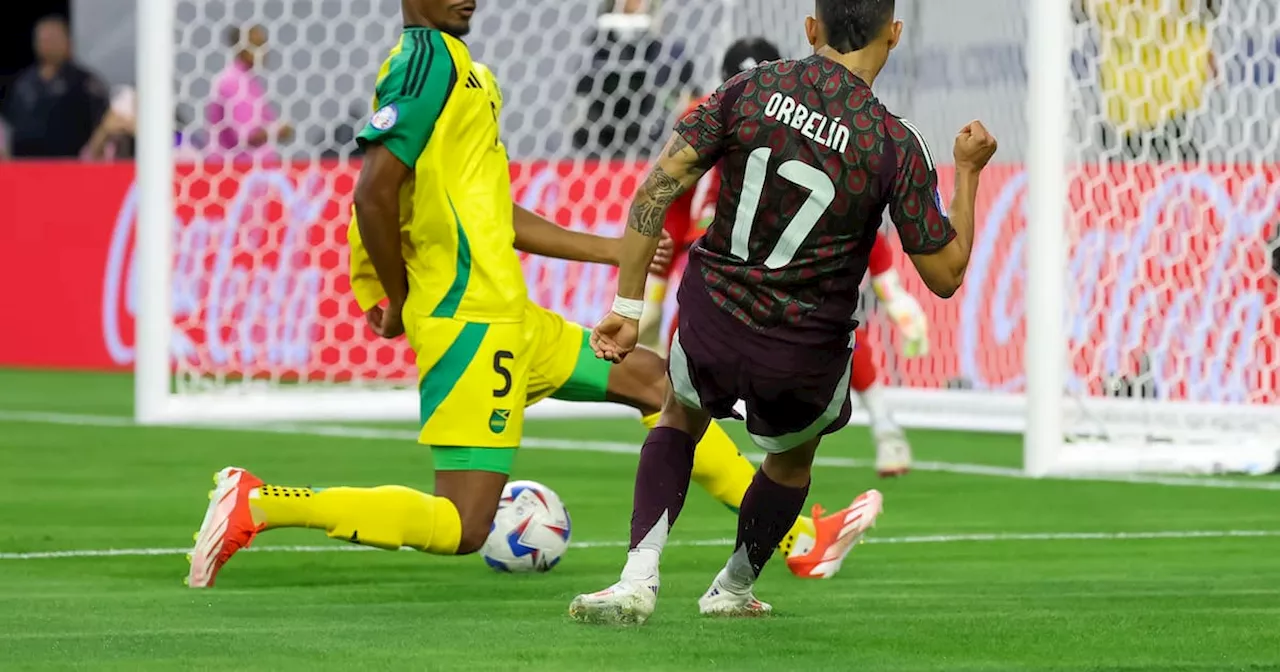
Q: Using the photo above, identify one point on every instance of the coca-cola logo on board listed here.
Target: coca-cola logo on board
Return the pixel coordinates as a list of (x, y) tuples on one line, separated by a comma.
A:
[(1167, 275), (245, 285)]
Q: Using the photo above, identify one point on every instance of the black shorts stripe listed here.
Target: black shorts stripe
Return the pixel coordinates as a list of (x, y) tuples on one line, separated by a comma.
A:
[(415, 72)]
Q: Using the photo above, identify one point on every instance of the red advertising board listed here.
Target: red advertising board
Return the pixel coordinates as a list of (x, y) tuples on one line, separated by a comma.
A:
[(1168, 264)]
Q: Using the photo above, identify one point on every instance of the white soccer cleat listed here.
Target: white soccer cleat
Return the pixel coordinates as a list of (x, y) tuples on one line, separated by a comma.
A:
[(893, 454), (721, 600), (624, 603), (837, 534)]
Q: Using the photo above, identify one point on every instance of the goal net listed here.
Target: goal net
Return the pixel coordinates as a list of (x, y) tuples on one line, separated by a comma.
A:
[(1135, 331)]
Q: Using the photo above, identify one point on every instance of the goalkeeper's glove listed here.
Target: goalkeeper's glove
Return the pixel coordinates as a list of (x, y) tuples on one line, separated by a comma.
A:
[(905, 312)]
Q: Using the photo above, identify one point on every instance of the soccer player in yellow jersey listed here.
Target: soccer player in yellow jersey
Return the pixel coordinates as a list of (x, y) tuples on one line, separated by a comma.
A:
[(1155, 66), (434, 237)]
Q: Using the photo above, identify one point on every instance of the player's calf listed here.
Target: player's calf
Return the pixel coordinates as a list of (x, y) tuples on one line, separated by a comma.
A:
[(662, 480), (718, 467), (769, 509), (893, 452), (639, 381), (475, 495)]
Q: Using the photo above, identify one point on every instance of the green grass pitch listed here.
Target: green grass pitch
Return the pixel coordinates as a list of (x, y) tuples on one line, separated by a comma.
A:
[(966, 571)]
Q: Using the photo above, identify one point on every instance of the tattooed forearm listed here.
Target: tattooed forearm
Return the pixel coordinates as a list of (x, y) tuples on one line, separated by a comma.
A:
[(678, 168), (649, 210)]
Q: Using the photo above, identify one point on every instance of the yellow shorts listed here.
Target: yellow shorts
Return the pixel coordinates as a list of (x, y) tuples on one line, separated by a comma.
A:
[(564, 367), (475, 380)]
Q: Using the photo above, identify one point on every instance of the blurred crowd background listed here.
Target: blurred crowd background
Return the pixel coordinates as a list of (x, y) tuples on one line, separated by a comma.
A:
[(1159, 80)]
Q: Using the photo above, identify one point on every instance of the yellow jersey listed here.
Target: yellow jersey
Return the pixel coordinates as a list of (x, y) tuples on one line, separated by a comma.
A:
[(1154, 60), (437, 111)]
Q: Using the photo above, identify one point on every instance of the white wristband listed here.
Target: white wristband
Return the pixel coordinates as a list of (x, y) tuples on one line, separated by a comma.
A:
[(631, 309)]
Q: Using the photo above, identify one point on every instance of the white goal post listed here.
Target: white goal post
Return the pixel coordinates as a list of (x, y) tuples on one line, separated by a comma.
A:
[(1122, 308)]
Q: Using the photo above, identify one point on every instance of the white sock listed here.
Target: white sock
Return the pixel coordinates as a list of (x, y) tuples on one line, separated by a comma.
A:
[(881, 419), (642, 562), (738, 573)]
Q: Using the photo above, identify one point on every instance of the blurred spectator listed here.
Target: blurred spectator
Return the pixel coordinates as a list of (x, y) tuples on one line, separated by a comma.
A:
[(53, 107), (1156, 62), (114, 137), (636, 82), (243, 124)]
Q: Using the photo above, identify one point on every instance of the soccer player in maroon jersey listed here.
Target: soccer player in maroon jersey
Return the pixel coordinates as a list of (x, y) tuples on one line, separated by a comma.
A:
[(810, 161), (688, 218)]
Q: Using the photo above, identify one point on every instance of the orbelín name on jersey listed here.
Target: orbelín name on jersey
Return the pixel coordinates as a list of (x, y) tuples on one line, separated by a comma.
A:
[(813, 125)]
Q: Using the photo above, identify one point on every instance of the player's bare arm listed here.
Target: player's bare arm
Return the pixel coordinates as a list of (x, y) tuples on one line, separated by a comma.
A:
[(377, 203), (536, 235), (679, 167), (943, 271)]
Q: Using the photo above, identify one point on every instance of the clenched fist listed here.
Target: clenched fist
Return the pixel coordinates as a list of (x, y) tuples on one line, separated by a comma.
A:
[(974, 147)]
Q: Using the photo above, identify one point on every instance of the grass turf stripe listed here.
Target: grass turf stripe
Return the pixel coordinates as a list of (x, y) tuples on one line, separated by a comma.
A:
[(913, 539), (623, 448)]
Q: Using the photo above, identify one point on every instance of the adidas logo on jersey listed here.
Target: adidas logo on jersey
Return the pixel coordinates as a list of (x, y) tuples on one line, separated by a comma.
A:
[(473, 82)]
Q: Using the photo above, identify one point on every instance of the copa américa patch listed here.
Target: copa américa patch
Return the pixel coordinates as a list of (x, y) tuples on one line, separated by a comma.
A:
[(385, 117)]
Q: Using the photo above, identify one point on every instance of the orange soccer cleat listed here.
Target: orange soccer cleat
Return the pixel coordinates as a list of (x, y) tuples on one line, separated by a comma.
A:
[(228, 525), (836, 535)]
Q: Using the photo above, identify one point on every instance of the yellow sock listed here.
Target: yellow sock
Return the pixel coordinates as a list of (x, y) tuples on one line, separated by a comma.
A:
[(389, 516), (651, 320), (725, 474), (656, 290)]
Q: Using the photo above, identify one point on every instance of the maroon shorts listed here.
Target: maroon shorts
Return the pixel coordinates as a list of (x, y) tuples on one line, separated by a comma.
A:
[(792, 392)]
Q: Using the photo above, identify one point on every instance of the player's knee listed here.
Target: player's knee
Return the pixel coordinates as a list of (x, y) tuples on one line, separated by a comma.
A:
[(476, 522), (793, 476), (792, 468)]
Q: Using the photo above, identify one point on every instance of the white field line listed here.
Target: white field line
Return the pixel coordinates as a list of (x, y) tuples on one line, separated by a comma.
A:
[(921, 539), (622, 448)]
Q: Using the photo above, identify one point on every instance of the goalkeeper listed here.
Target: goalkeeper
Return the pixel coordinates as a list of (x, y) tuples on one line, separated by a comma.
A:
[(435, 236)]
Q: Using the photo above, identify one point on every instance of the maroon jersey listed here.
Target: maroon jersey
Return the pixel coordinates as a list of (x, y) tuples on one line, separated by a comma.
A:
[(809, 161)]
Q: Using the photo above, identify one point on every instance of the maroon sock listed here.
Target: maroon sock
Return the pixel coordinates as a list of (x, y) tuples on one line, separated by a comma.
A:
[(662, 481), (767, 514)]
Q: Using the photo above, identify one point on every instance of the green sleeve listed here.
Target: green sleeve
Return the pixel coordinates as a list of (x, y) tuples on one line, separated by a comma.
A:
[(411, 96)]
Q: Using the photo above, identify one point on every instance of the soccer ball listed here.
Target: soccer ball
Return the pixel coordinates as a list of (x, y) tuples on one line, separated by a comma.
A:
[(530, 532)]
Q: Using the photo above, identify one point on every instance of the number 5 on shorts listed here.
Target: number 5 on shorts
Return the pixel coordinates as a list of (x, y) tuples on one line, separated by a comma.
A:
[(500, 367)]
